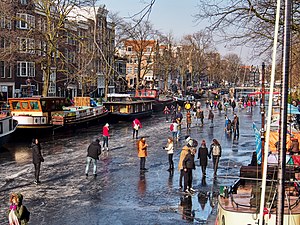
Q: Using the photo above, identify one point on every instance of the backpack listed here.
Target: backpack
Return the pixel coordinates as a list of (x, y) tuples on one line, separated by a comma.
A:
[(172, 127), (216, 150)]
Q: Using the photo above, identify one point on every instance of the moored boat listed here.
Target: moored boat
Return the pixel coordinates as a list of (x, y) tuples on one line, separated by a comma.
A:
[(51, 112), (160, 100), (7, 126), (123, 107), (240, 202), (270, 193)]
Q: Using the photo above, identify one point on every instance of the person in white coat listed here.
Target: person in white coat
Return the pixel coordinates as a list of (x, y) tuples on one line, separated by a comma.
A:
[(170, 150)]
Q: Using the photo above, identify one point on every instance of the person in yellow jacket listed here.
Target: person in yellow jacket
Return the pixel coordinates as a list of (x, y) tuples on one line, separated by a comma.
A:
[(142, 152), (183, 153)]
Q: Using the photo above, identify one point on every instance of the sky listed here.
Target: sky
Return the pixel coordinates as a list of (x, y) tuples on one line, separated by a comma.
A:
[(174, 16)]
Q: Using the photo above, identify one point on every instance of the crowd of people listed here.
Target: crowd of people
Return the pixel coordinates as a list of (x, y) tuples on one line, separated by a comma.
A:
[(195, 111), (186, 164)]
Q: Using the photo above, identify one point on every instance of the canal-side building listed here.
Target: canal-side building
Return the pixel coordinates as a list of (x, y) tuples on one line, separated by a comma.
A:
[(81, 58)]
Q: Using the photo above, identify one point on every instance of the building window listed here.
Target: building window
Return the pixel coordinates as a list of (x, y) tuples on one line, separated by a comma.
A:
[(26, 45), (149, 49), (129, 70), (25, 69), (129, 49), (2, 42), (2, 69), (5, 70), (5, 22), (24, 2), (2, 22), (25, 21), (8, 71)]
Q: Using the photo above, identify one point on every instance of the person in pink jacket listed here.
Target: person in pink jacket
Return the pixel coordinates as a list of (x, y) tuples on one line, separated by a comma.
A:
[(105, 134), (136, 125)]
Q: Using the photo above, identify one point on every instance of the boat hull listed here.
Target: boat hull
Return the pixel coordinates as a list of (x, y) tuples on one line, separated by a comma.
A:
[(240, 216), (115, 116), (124, 108), (8, 127), (158, 106)]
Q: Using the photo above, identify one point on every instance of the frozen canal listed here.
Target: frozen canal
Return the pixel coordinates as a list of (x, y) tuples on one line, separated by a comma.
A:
[(120, 194)]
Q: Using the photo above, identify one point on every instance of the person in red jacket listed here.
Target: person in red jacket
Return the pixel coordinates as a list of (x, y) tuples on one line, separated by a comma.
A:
[(136, 125), (105, 134)]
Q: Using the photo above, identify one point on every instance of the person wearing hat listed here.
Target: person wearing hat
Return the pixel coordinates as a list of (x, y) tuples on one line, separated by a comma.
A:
[(105, 134), (93, 152), (203, 155), (18, 213), (183, 154)]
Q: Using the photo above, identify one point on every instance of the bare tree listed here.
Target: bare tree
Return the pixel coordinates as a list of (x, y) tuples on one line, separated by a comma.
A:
[(164, 63), (55, 14), (199, 44), (231, 68), (248, 23)]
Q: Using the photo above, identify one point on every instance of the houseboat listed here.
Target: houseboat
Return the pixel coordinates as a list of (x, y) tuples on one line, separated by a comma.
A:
[(160, 100), (50, 112), (123, 107), (7, 126)]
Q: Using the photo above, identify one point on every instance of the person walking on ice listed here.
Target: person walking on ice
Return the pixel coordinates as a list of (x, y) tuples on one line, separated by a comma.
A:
[(105, 134), (203, 155), (167, 113), (37, 159), (136, 125), (211, 118), (93, 152), (170, 150), (215, 152)]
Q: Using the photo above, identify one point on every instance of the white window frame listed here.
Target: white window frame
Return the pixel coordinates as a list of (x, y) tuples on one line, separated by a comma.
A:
[(129, 70), (24, 2), (26, 45), (2, 22), (149, 49), (25, 69), (7, 70), (26, 21)]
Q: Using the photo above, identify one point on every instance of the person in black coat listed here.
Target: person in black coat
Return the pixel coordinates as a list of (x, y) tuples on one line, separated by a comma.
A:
[(93, 152), (188, 167), (37, 158), (203, 155)]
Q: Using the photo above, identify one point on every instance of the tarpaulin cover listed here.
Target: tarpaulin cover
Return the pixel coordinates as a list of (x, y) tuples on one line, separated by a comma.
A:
[(296, 159), (274, 139)]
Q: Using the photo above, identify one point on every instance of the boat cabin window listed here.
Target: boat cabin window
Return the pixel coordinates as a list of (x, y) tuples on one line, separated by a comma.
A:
[(52, 105), (34, 105), (16, 105), (1, 128), (25, 105)]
